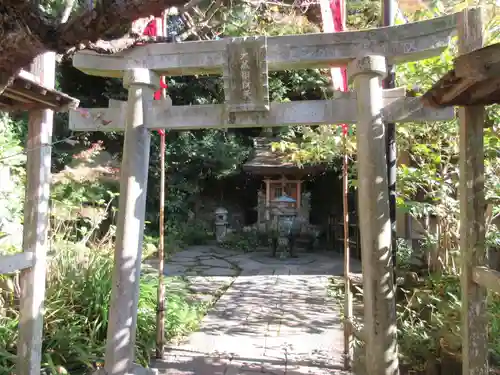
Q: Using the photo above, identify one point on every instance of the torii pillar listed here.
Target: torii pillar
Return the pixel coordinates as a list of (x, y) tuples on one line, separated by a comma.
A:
[(375, 225), (141, 84)]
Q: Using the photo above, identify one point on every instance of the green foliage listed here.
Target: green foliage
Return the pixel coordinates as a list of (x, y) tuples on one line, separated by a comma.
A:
[(12, 159), (83, 197), (403, 254), (428, 181), (247, 20), (76, 312), (428, 314), (363, 14), (243, 241), (190, 233), (80, 271), (318, 145), (195, 161), (11, 152)]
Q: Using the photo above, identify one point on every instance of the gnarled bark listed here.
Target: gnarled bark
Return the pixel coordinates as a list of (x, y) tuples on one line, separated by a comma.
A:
[(26, 32)]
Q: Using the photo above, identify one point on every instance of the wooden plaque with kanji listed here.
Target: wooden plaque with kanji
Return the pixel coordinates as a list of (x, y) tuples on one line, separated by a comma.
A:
[(246, 75)]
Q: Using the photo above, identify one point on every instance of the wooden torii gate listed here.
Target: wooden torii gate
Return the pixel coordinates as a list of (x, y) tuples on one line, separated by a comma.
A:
[(244, 64)]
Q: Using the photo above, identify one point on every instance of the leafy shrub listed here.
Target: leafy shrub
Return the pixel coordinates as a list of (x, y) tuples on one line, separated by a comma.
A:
[(180, 236), (429, 313), (245, 241), (195, 233), (403, 254), (76, 312), (12, 160)]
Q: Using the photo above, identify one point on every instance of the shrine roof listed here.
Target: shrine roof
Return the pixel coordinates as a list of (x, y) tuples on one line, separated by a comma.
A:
[(269, 161), (28, 93), (475, 80)]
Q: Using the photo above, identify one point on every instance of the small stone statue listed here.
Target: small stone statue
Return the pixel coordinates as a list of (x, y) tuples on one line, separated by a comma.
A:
[(305, 208), (261, 206), (221, 224), (306, 200)]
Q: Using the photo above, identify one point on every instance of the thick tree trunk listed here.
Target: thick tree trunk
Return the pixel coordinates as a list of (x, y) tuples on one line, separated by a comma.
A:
[(26, 32), (19, 45)]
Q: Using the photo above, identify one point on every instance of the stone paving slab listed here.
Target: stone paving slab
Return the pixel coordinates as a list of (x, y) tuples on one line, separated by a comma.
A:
[(275, 318), (206, 273)]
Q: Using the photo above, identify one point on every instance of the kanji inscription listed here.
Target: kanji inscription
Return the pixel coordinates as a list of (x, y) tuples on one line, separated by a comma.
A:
[(246, 75)]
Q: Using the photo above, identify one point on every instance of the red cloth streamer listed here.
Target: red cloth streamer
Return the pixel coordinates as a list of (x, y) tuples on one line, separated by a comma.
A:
[(163, 85), (152, 30), (339, 77)]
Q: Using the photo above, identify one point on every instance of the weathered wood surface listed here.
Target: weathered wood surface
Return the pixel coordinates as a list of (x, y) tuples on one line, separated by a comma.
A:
[(130, 223), (378, 290), (475, 80), (402, 43), (36, 226), (16, 262), (310, 112), (472, 213), (28, 93), (487, 277), (452, 90), (245, 75), (481, 63)]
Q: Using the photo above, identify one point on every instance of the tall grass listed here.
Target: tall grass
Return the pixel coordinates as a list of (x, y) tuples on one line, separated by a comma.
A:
[(76, 313), (428, 312)]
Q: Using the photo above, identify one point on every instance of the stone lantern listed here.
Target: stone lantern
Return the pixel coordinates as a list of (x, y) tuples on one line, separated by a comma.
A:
[(221, 223), (284, 216)]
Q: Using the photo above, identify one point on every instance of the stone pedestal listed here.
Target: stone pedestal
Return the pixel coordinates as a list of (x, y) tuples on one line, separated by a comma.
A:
[(220, 232)]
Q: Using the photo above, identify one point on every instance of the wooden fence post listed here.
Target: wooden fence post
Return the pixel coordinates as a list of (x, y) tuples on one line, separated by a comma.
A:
[(472, 212), (36, 225)]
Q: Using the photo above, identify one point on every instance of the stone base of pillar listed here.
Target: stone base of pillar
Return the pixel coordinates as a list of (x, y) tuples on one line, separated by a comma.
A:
[(135, 370), (139, 370)]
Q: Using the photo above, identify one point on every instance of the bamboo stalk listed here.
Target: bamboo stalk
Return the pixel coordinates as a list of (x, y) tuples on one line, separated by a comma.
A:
[(348, 308), (160, 315)]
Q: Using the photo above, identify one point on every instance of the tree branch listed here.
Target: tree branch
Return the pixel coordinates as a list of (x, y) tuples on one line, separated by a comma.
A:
[(121, 44), (91, 25), (26, 32)]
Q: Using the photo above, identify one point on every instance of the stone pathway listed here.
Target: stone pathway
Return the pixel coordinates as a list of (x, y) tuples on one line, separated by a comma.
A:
[(275, 318)]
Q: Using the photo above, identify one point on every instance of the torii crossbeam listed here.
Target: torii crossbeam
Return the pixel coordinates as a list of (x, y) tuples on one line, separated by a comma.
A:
[(397, 108)]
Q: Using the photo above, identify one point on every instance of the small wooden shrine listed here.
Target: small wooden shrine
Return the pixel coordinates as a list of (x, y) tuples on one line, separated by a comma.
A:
[(283, 181)]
